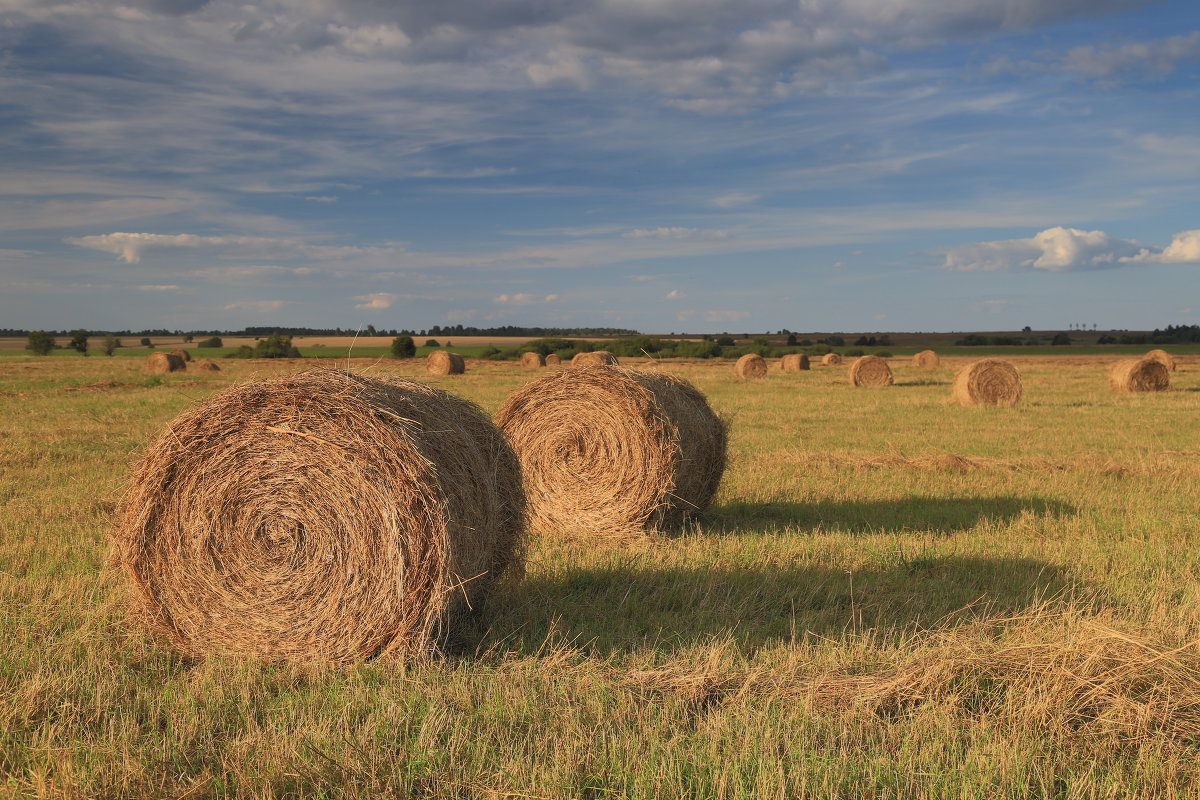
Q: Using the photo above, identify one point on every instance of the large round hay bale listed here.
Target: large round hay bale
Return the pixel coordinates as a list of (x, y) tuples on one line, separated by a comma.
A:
[(926, 358), (164, 362), (208, 364), (794, 362), (553, 360), (870, 371), (184, 354), (1139, 375), (751, 365), (987, 382), (613, 451), (831, 360), (443, 362), (324, 516), (532, 360), (1164, 358), (594, 358)]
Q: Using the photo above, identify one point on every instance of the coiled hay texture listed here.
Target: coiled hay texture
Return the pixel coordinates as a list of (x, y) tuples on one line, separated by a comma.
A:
[(184, 354), (612, 451), (750, 365), (1164, 358), (926, 358), (1139, 375), (831, 360), (164, 362), (208, 364), (320, 517), (595, 358), (443, 362), (553, 360), (870, 371), (794, 362), (532, 360), (987, 382)]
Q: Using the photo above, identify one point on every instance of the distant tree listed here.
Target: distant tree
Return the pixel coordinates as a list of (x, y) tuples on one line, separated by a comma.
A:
[(403, 347), (187, 338), (806, 342), (146, 342), (244, 351), (79, 341), (725, 341), (370, 330), (276, 346), (449, 343), (40, 343), (791, 340), (432, 343), (212, 341), (110, 344), (761, 341), (1027, 329), (1060, 338)]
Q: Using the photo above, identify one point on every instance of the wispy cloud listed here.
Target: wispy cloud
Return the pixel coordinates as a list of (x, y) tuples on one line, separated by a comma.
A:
[(523, 299), (376, 300), (675, 233), (257, 305), (131, 247)]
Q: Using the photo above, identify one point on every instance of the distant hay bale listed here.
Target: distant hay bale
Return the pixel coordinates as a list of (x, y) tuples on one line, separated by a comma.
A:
[(553, 360), (164, 362), (208, 364), (594, 358), (870, 371), (614, 451), (751, 365), (184, 354), (1164, 358), (443, 362), (532, 360), (926, 358), (831, 360), (794, 362), (323, 516), (1139, 375), (987, 382)]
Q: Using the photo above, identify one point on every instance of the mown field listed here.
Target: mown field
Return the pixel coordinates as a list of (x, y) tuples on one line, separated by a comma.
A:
[(892, 597)]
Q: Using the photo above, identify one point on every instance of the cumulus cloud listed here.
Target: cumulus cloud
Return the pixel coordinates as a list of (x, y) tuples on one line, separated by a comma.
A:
[(674, 294), (523, 299), (1053, 250), (257, 305), (376, 300), (1183, 249)]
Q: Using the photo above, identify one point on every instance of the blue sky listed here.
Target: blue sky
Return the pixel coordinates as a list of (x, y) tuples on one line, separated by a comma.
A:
[(664, 165)]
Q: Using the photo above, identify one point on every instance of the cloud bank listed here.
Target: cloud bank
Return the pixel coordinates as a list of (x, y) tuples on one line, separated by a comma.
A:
[(1069, 250)]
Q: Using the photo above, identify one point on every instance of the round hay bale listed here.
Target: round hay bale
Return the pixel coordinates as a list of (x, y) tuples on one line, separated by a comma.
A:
[(164, 362), (926, 358), (532, 360), (324, 516), (987, 382), (553, 360), (184, 354), (870, 371), (208, 364), (600, 358), (443, 362), (831, 360), (1164, 358), (794, 362), (750, 365), (1139, 375), (612, 451)]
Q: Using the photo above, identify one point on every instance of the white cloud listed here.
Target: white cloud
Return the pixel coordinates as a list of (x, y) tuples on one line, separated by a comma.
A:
[(1183, 249), (376, 300), (130, 247), (675, 233), (1053, 250), (165, 287), (733, 199), (674, 294), (257, 305), (322, 198), (523, 299)]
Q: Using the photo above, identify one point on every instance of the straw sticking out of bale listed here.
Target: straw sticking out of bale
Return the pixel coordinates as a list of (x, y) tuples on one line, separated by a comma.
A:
[(750, 365), (612, 451), (443, 362), (532, 360), (926, 358), (594, 358), (183, 354), (794, 362), (870, 371), (164, 362), (1139, 375), (987, 382), (208, 364), (553, 360), (831, 360), (1164, 358), (320, 517)]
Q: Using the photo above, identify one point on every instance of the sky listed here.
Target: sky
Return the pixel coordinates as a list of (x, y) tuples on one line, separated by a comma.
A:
[(661, 165)]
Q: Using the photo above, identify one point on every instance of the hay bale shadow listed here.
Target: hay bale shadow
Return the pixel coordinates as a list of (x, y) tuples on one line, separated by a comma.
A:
[(919, 514), (630, 608)]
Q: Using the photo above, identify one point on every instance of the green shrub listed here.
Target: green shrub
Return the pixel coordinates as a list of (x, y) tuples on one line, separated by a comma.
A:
[(276, 346), (214, 341), (432, 343), (111, 343), (855, 352), (245, 351), (79, 341), (40, 343), (884, 354), (403, 347)]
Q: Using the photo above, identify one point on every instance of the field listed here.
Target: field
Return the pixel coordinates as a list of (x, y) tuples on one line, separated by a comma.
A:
[(892, 597)]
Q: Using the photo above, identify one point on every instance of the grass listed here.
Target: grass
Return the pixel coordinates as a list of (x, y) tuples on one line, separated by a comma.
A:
[(892, 598)]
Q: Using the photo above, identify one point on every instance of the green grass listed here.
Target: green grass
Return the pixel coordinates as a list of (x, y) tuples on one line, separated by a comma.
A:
[(857, 616)]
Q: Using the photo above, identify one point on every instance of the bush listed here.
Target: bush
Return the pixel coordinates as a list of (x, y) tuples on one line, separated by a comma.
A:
[(403, 347), (111, 343), (884, 354), (146, 342), (432, 343), (40, 343), (725, 341), (245, 351), (791, 340), (214, 341), (79, 341), (1060, 338), (276, 346), (855, 352)]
